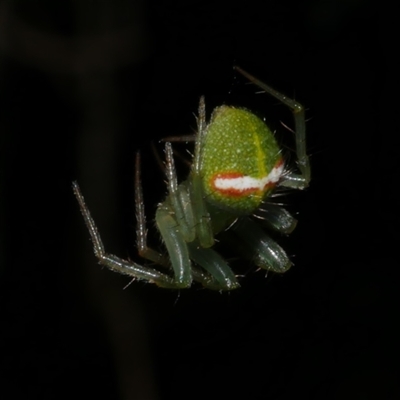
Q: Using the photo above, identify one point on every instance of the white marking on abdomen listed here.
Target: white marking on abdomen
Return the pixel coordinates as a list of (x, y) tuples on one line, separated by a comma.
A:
[(245, 183)]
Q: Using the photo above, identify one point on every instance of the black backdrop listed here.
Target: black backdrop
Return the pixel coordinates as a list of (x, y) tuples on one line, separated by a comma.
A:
[(83, 86)]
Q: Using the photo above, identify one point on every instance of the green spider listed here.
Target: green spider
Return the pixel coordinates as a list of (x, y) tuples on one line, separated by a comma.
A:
[(237, 165)]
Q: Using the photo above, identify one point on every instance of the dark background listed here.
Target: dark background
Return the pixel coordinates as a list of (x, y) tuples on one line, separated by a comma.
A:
[(83, 86)]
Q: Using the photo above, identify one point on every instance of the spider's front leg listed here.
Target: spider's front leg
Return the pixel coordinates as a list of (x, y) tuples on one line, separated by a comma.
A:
[(113, 262), (290, 179), (204, 231), (250, 239)]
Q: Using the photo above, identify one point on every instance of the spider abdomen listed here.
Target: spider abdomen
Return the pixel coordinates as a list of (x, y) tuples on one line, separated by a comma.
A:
[(241, 160)]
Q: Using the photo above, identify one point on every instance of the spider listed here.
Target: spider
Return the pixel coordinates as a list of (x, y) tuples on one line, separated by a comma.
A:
[(237, 165)]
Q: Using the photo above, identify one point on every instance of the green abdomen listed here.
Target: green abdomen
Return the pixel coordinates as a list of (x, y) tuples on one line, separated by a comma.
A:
[(241, 161)]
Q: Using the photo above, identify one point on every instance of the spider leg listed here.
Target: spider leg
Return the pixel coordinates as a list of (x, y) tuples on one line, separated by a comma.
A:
[(141, 229), (290, 179), (183, 138), (202, 217), (176, 245), (222, 276), (277, 218), (113, 262), (179, 198), (249, 238), (175, 223)]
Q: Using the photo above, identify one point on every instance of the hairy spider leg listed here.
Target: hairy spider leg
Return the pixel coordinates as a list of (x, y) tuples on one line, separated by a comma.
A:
[(174, 228), (203, 227), (141, 225), (113, 262), (290, 179), (277, 218)]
